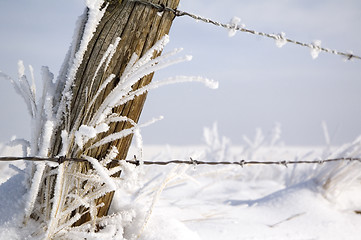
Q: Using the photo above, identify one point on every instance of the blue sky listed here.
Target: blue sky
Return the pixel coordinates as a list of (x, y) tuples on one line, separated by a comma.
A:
[(260, 84)]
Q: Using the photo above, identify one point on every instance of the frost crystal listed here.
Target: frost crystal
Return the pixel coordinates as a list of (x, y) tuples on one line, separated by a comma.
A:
[(233, 25), (57, 205), (91, 19), (280, 39), (315, 48)]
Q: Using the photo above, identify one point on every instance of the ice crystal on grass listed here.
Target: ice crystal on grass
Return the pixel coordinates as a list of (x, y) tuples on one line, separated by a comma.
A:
[(86, 27), (99, 181), (335, 177), (217, 147), (65, 192)]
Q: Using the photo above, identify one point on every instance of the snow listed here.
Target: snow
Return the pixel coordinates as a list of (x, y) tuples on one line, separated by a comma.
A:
[(91, 19), (174, 201), (65, 142), (14, 188), (56, 220), (87, 132), (254, 203), (179, 201), (218, 202)]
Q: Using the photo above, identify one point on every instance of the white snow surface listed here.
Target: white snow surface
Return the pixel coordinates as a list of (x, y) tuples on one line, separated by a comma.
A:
[(186, 202)]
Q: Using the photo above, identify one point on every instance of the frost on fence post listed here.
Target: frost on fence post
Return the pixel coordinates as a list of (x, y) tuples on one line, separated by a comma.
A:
[(108, 39), (85, 123)]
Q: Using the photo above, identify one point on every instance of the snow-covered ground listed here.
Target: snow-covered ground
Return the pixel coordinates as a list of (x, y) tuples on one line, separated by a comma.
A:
[(268, 202), (221, 202), (184, 202)]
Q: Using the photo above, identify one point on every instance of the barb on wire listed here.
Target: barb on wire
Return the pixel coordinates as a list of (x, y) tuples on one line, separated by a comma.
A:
[(192, 161), (313, 46)]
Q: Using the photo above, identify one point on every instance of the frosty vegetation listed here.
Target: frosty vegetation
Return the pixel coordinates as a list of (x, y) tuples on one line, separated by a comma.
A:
[(139, 190), (136, 195), (51, 217), (98, 181)]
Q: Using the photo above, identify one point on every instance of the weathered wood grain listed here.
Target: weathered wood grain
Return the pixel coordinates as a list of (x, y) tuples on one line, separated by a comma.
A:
[(139, 27)]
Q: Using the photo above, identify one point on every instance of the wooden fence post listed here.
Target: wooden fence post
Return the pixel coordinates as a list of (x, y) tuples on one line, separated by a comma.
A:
[(139, 26)]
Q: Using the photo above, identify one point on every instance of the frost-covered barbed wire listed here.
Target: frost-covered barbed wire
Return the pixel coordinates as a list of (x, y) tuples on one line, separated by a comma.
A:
[(65, 190), (195, 162), (234, 26)]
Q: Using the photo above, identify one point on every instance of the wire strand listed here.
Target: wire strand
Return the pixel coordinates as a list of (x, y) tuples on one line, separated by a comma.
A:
[(137, 162), (179, 13)]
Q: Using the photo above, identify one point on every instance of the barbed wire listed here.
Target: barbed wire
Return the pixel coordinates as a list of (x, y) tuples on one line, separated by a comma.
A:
[(235, 27), (191, 161)]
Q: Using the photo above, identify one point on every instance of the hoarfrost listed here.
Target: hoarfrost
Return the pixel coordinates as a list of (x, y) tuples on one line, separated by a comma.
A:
[(65, 142), (135, 70), (46, 137), (315, 49), (33, 191), (172, 80), (123, 133), (46, 116), (70, 56), (217, 148), (56, 204), (94, 5), (233, 25), (87, 132), (94, 15), (326, 133), (280, 39), (275, 135), (25, 144), (103, 127), (138, 144), (102, 171)]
